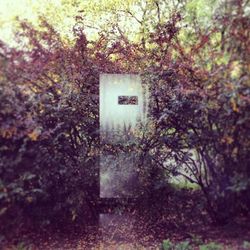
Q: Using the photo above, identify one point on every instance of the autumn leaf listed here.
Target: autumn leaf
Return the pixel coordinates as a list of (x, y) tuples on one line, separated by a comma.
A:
[(35, 134), (234, 106), (227, 139), (29, 199)]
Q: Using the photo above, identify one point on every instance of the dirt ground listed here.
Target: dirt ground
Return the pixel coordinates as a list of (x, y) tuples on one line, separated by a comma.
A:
[(176, 219)]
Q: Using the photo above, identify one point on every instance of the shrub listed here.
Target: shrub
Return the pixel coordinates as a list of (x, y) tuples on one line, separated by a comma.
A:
[(210, 246), (168, 245), (49, 131)]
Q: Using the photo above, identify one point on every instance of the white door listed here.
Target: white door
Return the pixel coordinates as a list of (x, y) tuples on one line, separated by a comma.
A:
[(123, 104)]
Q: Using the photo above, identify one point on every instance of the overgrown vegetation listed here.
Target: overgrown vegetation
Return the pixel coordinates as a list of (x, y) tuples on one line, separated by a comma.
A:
[(198, 78)]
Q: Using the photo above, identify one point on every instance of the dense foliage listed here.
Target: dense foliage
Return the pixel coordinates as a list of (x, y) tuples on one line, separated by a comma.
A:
[(198, 77), (49, 129)]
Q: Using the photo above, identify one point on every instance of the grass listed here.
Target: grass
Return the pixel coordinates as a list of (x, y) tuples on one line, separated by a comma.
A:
[(184, 185)]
